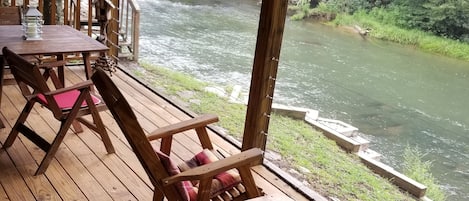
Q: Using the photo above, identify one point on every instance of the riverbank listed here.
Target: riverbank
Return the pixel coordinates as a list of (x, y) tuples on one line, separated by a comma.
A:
[(419, 39), (319, 163), (379, 23)]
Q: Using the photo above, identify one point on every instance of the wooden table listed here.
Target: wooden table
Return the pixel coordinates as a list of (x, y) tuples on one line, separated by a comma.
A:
[(56, 40)]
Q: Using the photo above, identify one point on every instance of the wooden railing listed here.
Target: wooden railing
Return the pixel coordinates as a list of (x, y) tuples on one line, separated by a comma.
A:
[(129, 29)]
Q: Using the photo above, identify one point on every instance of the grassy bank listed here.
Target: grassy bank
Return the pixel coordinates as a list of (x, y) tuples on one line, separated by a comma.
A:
[(380, 23), (330, 171)]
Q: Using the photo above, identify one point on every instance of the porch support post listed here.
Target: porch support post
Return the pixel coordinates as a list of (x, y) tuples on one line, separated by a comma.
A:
[(113, 30), (264, 73)]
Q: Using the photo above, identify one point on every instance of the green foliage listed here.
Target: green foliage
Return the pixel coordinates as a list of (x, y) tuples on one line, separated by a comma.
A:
[(419, 170), (444, 18), (326, 8), (302, 3), (385, 16), (349, 6), (301, 10), (375, 20)]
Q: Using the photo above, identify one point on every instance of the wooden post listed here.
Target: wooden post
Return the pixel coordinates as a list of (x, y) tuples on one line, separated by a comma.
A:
[(77, 15), (113, 31), (66, 7), (264, 73), (90, 17)]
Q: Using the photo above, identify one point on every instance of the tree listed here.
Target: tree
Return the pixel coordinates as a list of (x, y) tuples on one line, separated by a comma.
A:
[(446, 18)]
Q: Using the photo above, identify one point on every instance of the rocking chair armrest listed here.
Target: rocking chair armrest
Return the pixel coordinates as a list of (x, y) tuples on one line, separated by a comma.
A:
[(197, 122), (52, 64), (78, 86), (246, 158)]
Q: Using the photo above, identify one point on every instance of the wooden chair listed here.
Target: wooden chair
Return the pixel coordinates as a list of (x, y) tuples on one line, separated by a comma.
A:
[(67, 104), (166, 177), (10, 15)]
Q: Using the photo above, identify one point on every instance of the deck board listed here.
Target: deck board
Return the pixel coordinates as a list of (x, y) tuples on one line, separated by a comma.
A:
[(82, 169)]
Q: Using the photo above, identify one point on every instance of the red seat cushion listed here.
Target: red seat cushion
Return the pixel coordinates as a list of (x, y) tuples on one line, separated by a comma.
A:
[(66, 100), (185, 188), (222, 182)]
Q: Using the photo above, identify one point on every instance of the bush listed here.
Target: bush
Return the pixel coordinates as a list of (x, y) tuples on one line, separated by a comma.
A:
[(419, 170)]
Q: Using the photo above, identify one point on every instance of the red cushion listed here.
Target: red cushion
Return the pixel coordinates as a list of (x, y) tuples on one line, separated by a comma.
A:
[(66, 100), (185, 188), (222, 182)]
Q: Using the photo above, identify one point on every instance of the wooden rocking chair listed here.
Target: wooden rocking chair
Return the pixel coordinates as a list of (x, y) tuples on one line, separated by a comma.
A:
[(66, 103), (197, 183)]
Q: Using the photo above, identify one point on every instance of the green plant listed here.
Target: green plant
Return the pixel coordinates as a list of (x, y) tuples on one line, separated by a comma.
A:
[(301, 10), (326, 8), (419, 170)]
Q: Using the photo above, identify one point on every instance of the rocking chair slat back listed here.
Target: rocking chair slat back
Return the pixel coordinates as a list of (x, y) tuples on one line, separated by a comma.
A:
[(169, 182)]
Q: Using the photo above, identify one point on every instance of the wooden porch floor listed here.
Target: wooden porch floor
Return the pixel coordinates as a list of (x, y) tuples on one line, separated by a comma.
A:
[(81, 169)]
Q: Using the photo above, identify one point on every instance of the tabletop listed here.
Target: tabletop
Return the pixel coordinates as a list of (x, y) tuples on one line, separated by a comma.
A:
[(56, 39)]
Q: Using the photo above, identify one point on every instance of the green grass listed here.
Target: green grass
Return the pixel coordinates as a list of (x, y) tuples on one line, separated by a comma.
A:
[(333, 172), (380, 23)]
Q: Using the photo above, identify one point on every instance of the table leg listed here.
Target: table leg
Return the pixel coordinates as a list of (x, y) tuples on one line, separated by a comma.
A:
[(87, 63), (61, 70)]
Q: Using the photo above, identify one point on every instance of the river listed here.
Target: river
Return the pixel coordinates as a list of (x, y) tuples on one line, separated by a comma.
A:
[(397, 96)]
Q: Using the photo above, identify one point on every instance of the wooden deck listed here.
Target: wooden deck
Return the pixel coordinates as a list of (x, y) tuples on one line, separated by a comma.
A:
[(82, 170)]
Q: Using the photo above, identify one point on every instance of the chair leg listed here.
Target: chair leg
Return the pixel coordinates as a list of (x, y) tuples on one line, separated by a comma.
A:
[(65, 125), (157, 195), (101, 130), (77, 127), (104, 135), (204, 189), (246, 176), (20, 121), (1, 124)]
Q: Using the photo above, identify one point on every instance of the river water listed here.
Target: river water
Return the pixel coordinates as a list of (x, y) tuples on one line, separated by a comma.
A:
[(397, 96)]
